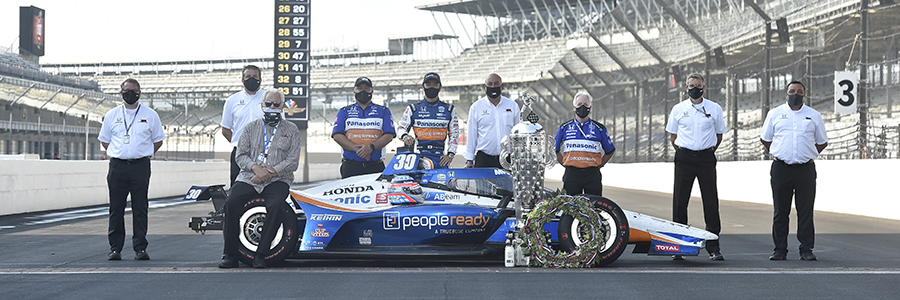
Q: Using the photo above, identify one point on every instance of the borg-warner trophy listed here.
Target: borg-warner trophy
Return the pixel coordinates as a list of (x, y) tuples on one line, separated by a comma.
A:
[(526, 153)]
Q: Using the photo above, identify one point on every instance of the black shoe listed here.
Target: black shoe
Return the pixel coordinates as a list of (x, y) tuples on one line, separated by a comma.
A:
[(114, 255), (808, 256), (778, 256), (677, 257), (229, 261), (141, 255), (716, 256), (259, 262)]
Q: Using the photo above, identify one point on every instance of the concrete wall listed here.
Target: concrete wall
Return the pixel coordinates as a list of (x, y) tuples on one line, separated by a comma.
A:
[(859, 187), (39, 185)]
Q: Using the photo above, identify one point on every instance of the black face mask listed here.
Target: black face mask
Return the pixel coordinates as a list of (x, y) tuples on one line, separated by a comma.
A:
[(130, 97), (252, 84), (432, 92), (363, 97), (493, 92), (582, 111), (795, 99), (271, 116), (695, 93)]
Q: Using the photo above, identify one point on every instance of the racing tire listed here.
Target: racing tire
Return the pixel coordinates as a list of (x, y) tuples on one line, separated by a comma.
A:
[(615, 224), (252, 220)]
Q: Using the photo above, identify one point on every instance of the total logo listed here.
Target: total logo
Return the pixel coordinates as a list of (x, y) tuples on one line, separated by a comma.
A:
[(668, 248)]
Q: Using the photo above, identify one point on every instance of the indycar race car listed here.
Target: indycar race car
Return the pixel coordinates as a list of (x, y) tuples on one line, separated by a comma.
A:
[(408, 212)]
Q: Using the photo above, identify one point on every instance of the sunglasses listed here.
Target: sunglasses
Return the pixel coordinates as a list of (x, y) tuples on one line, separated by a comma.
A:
[(272, 104)]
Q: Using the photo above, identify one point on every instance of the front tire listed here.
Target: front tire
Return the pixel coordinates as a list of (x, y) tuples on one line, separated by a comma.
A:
[(252, 221), (614, 225)]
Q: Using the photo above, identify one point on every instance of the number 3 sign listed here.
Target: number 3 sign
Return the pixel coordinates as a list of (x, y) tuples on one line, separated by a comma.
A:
[(845, 85)]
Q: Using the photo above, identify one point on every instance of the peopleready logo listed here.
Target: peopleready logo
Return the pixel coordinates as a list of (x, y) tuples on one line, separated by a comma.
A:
[(393, 221)]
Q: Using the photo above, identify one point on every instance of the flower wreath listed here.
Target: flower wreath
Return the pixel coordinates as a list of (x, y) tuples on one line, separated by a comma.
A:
[(537, 240)]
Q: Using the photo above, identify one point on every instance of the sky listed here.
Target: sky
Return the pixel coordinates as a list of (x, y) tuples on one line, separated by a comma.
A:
[(164, 30)]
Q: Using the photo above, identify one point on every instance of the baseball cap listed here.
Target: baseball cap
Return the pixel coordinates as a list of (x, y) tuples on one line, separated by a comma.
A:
[(363, 80), (432, 75)]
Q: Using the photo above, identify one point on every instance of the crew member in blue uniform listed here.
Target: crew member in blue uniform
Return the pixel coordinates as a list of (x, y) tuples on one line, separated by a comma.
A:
[(434, 123), (583, 147), (363, 129)]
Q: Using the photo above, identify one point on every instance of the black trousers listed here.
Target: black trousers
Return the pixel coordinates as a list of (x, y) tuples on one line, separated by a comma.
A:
[(241, 195), (351, 168), (702, 166), (235, 170), (484, 160), (583, 181), (797, 182), (124, 178)]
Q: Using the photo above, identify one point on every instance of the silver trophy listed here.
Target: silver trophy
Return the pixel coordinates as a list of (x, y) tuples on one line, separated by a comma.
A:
[(526, 152)]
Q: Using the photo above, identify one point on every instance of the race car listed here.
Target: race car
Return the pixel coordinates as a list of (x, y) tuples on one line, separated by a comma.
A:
[(407, 211)]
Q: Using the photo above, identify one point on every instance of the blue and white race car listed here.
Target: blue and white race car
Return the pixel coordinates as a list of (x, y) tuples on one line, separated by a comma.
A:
[(409, 212)]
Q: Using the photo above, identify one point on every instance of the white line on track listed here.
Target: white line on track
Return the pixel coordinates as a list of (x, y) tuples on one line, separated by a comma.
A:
[(214, 270)]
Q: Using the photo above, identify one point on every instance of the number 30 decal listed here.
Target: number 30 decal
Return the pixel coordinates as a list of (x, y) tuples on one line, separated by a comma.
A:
[(405, 162)]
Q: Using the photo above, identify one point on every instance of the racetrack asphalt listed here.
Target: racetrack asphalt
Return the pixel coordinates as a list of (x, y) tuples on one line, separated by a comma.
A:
[(62, 255)]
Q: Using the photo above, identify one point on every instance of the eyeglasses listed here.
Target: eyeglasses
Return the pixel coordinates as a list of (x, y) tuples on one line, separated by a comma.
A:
[(690, 86), (272, 104)]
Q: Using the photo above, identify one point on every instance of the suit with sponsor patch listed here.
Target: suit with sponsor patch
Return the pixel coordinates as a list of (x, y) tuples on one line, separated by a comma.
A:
[(435, 125), (363, 127), (583, 146)]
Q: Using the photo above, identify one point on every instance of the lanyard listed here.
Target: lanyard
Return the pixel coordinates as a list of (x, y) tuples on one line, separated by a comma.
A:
[(580, 129), (125, 118), (702, 112), (267, 141)]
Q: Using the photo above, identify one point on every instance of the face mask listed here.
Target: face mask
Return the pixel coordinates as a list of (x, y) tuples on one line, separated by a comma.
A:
[(695, 93), (271, 116), (493, 92), (432, 93), (363, 97), (795, 99), (130, 97), (252, 84), (582, 111)]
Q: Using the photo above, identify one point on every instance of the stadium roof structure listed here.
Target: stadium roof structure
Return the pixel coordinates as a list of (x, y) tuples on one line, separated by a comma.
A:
[(500, 8)]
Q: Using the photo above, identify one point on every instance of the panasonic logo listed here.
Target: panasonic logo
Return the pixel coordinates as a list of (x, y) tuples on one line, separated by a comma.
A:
[(431, 123), (364, 123)]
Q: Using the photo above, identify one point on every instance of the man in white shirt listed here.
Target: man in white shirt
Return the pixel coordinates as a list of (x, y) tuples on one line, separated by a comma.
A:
[(696, 126), (794, 134), (240, 109), (490, 120), (131, 133)]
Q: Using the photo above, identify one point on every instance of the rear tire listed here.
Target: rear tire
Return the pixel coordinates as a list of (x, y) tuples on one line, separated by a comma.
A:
[(252, 220), (614, 224)]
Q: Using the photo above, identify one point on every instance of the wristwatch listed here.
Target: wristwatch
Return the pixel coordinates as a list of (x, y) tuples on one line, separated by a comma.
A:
[(372, 146), (451, 154)]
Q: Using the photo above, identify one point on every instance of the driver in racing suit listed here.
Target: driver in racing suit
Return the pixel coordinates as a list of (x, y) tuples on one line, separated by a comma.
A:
[(433, 122)]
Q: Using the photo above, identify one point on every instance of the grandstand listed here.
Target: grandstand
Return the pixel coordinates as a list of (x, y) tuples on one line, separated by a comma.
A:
[(631, 55)]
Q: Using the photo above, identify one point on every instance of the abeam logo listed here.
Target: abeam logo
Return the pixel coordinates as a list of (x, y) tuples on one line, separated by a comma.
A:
[(668, 248)]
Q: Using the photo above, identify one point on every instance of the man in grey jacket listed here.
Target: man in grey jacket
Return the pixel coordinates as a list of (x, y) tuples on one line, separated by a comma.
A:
[(268, 153)]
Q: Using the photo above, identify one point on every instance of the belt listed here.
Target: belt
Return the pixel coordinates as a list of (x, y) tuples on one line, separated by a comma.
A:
[(359, 163), (485, 153), (792, 165), (420, 147), (130, 161), (698, 151)]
